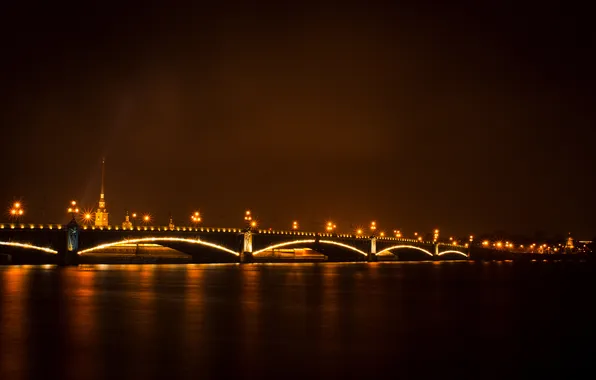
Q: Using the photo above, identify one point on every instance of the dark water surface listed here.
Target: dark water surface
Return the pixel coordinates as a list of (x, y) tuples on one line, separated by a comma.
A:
[(380, 320)]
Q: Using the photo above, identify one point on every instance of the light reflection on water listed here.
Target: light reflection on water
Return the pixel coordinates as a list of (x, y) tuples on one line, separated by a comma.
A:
[(13, 323), (81, 317), (261, 320)]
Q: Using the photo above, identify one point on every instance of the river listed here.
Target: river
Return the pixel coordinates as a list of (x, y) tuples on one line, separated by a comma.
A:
[(354, 320)]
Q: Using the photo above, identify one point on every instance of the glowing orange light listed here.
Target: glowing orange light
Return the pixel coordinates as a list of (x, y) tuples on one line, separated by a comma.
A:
[(330, 226), (16, 210), (195, 217), (247, 216), (25, 245)]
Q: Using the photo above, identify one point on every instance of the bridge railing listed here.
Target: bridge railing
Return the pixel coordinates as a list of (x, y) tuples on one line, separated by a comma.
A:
[(30, 226), (35, 226)]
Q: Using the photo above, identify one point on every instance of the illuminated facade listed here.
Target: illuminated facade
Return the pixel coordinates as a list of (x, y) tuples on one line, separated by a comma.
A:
[(569, 243), (101, 215), (127, 224)]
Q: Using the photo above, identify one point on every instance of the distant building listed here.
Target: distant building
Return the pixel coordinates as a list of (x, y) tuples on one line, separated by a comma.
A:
[(171, 223), (569, 244), (101, 215), (127, 224)]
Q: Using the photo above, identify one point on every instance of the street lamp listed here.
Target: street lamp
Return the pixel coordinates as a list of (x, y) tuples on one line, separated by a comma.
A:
[(247, 216), (249, 220), (147, 219), (330, 227), (16, 211), (436, 235), (373, 226), (295, 225), (397, 233), (87, 217), (196, 217), (73, 209)]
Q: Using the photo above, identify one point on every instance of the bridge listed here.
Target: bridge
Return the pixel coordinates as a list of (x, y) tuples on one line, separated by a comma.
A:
[(64, 244)]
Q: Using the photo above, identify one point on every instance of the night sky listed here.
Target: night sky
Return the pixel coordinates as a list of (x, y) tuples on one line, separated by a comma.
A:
[(469, 118)]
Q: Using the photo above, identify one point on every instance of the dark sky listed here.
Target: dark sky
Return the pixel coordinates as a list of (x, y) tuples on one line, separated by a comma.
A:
[(470, 117)]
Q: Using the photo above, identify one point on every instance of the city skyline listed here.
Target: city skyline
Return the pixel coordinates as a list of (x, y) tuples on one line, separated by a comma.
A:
[(97, 216), (459, 117)]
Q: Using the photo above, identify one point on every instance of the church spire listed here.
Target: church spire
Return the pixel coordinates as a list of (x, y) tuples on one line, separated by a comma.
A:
[(103, 174), (101, 215), (171, 223)]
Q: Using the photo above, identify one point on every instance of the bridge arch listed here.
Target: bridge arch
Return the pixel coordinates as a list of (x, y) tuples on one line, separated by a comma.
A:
[(27, 246), (157, 240), (405, 247), (453, 251), (309, 241)]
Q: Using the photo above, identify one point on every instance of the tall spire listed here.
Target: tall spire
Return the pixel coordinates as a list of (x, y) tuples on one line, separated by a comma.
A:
[(171, 223), (101, 215), (103, 174)]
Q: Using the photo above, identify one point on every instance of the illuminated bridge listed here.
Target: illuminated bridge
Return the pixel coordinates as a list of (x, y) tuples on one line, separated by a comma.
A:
[(206, 244)]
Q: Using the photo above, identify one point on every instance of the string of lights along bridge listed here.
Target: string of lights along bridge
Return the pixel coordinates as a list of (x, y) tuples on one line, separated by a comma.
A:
[(89, 231)]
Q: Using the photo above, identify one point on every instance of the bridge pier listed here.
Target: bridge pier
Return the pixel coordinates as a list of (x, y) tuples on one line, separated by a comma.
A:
[(246, 257), (68, 250), (372, 254), (246, 253)]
